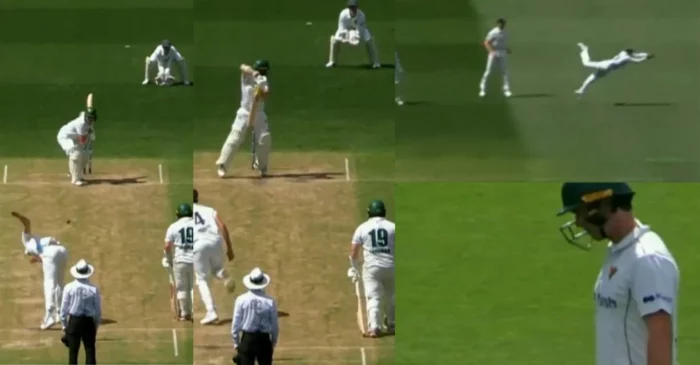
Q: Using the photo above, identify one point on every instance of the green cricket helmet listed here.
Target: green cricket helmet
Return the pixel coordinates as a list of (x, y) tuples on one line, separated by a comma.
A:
[(589, 194), (262, 66), (91, 114), (376, 208), (184, 210)]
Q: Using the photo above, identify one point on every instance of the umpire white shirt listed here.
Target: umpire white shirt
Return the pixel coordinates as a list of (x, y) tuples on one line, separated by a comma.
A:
[(639, 277), (81, 298), (254, 311)]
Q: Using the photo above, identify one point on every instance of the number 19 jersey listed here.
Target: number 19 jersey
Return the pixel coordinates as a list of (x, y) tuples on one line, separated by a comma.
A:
[(181, 234), (376, 236)]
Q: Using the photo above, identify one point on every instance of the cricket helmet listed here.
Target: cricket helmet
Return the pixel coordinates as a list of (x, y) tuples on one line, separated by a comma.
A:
[(376, 208), (262, 66), (353, 3), (166, 43), (91, 113), (184, 210), (589, 194)]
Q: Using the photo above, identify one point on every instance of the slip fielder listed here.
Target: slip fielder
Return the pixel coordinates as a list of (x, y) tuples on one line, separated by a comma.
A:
[(208, 234), (251, 114), (179, 257), (375, 238), (74, 138), (352, 29), (496, 44), (53, 256), (163, 57)]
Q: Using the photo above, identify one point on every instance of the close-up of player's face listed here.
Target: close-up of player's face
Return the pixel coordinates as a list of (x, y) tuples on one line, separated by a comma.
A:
[(583, 221)]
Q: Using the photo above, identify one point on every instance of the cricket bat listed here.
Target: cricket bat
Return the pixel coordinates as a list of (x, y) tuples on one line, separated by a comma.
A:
[(88, 168), (360, 311), (174, 304), (251, 123)]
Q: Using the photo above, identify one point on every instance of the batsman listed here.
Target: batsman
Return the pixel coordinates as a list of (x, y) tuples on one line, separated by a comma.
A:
[(251, 114), (178, 260), (75, 138)]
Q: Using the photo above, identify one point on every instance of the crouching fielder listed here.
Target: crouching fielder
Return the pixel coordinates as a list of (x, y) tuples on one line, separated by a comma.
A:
[(376, 238), (352, 28), (178, 260), (251, 113), (163, 56), (52, 256), (73, 138), (602, 68)]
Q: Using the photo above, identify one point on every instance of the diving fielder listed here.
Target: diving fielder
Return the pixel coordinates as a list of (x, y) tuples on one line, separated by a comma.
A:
[(496, 44), (636, 292), (352, 29), (74, 138), (604, 67), (209, 230), (52, 256), (254, 90), (179, 247), (398, 71), (163, 56), (375, 238)]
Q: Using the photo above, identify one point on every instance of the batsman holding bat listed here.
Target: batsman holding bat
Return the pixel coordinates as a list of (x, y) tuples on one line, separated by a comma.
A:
[(75, 137), (376, 238), (178, 260), (254, 91)]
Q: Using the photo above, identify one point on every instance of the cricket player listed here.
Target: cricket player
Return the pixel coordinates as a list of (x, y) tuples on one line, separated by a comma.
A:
[(496, 44), (209, 230), (636, 292), (352, 29), (254, 90), (398, 71), (163, 56), (375, 237), (74, 138), (602, 68), (179, 258), (53, 256)]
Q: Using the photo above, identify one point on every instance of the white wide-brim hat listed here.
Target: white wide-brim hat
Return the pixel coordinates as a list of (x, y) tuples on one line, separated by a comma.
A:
[(82, 270), (256, 280)]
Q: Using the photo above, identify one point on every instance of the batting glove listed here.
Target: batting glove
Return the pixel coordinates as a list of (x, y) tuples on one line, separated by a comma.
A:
[(353, 275), (166, 263)]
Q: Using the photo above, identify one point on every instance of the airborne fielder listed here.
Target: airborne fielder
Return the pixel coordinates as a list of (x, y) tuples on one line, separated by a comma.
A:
[(254, 91), (496, 44), (74, 138), (209, 230), (163, 56), (179, 247), (376, 238), (602, 68), (352, 28), (52, 256)]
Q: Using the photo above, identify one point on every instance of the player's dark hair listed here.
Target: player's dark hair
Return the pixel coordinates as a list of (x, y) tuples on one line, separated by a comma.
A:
[(622, 202), (501, 21), (195, 197)]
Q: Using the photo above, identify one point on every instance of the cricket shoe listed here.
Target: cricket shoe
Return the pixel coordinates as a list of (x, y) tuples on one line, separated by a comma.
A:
[(582, 46), (185, 318), (375, 333), (145, 82), (48, 322), (399, 102), (330, 64), (377, 65), (80, 183), (220, 170), (210, 318), (507, 93), (482, 93), (578, 93)]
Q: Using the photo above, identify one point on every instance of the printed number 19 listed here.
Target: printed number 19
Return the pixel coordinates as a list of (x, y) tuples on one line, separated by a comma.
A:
[(187, 238), (380, 237)]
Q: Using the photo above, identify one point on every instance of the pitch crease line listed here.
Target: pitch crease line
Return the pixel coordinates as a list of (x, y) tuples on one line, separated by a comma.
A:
[(175, 342)]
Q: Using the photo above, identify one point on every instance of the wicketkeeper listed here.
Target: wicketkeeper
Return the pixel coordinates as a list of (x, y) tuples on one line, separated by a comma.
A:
[(163, 56), (178, 260), (352, 29)]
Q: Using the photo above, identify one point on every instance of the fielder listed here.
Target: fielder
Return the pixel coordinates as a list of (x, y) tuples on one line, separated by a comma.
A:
[(602, 68), (163, 56), (636, 292), (496, 44), (52, 256), (179, 257), (209, 230), (398, 71), (376, 238), (75, 138), (254, 90), (352, 28)]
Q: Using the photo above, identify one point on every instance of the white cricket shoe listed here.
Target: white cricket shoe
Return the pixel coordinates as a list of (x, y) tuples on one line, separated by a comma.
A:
[(79, 183), (399, 102), (377, 65), (330, 64), (507, 93), (578, 92), (582, 46), (145, 82), (220, 170), (211, 317), (482, 93), (48, 322)]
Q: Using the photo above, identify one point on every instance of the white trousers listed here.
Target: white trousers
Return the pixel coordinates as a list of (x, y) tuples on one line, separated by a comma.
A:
[(53, 260), (379, 289), (207, 259), (183, 274), (68, 145), (502, 61), (261, 138)]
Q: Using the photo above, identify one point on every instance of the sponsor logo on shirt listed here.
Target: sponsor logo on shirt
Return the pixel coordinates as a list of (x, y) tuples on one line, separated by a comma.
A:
[(605, 302), (656, 296)]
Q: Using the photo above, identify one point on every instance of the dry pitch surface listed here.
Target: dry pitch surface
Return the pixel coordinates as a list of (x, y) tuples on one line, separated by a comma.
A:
[(118, 225), (297, 226)]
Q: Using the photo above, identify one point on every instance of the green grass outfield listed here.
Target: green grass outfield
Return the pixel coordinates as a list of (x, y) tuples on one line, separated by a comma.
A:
[(546, 133)]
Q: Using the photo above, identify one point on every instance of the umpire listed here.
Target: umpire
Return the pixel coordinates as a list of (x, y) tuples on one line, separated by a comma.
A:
[(81, 312), (255, 326)]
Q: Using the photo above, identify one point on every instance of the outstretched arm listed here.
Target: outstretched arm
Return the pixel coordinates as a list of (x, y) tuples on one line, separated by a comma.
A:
[(641, 57)]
